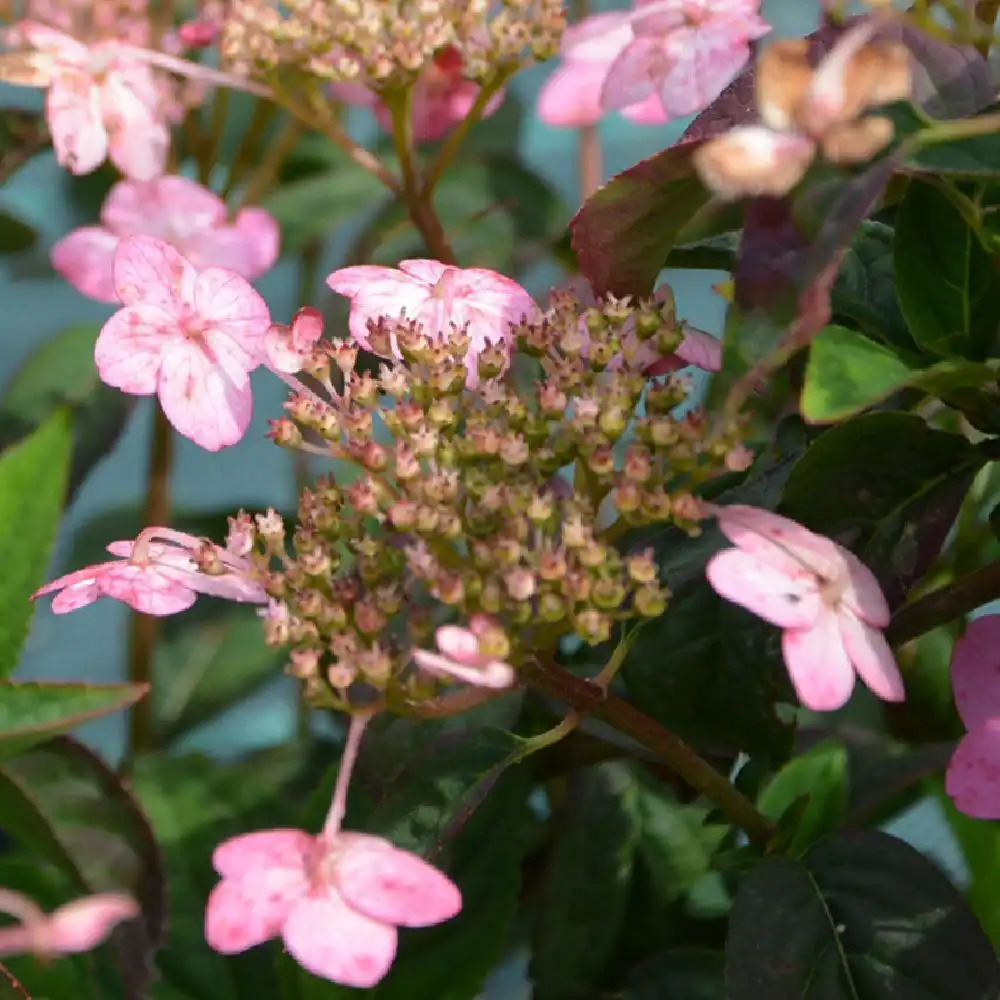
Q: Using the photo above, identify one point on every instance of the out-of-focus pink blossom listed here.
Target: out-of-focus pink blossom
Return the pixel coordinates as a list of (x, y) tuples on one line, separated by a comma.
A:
[(336, 899), (102, 101), (200, 33), (973, 776), (441, 298), (190, 336), (161, 573), (571, 96), (75, 927), (179, 211), (442, 97), (94, 20), (288, 347), (459, 656), (685, 51), (827, 601)]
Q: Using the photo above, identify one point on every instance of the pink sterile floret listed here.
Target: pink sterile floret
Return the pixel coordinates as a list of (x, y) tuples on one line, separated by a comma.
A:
[(336, 900), (684, 51), (973, 777), (288, 347), (459, 656), (183, 213), (192, 337), (102, 101), (75, 927), (440, 298), (160, 573), (827, 601)]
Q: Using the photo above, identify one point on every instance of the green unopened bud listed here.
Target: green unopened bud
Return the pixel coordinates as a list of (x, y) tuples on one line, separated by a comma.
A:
[(551, 608), (608, 594), (593, 626), (650, 601)]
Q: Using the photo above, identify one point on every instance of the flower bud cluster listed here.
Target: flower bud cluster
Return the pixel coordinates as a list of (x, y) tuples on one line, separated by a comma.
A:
[(385, 43), (500, 501)]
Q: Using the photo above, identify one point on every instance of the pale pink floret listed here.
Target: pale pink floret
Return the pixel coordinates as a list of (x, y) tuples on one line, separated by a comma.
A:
[(183, 213), (192, 337), (102, 101), (75, 927), (827, 601), (440, 298), (288, 347), (459, 657), (160, 573), (684, 51), (973, 776)]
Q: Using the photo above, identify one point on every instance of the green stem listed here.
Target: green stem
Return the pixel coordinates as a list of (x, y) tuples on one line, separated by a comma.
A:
[(586, 697), (262, 179), (945, 604), (144, 629), (964, 128)]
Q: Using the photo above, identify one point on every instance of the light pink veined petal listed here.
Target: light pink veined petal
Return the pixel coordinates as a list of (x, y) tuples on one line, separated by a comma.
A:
[(394, 886), (633, 76), (148, 589), (279, 351), (647, 112), (786, 599), (232, 306), (122, 548), (872, 657), (77, 589), (72, 109), (490, 674), (249, 247), (975, 671), (377, 291), (85, 923), (424, 269), (230, 357), (331, 940), (85, 259), (49, 40), (139, 134), (818, 664), (249, 910), (260, 231), (973, 776), (249, 852), (165, 207), (597, 38), (229, 587), (459, 644), (700, 349), (571, 96), (149, 271), (138, 148), (130, 348), (200, 400), (863, 594)]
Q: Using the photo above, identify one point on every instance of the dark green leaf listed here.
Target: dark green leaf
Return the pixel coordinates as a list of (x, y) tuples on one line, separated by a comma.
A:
[(32, 490), (862, 916), (977, 158), (586, 883), (204, 669), (66, 803), (682, 974), (820, 776), (888, 483), (33, 712), (949, 288), (712, 672), (15, 236), (62, 373)]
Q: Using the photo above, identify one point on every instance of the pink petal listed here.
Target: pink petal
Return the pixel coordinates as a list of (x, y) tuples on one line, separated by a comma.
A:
[(783, 597), (818, 664), (85, 258), (459, 644), (260, 231), (863, 594), (490, 674), (973, 775), (597, 38), (975, 671), (166, 207), (73, 112), (76, 596), (394, 886), (230, 305), (149, 271), (130, 347), (263, 849), (571, 96), (85, 923), (647, 112), (428, 271), (147, 589), (246, 911), (139, 136), (377, 291), (200, 400), (632, 78), (872, 657), (701, 349), (330, 939)]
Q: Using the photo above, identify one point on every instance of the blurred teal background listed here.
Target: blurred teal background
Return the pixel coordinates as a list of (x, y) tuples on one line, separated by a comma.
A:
[(91, 642)]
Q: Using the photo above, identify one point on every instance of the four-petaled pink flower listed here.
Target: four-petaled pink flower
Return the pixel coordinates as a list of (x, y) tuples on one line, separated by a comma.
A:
[(102, 101), (827, 601), (460, 656), (161, 573), (75, 927), (179, 211), (441, 299), (973, 776), (192, 337), (685, 51), (335, 900), (288, 347)]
